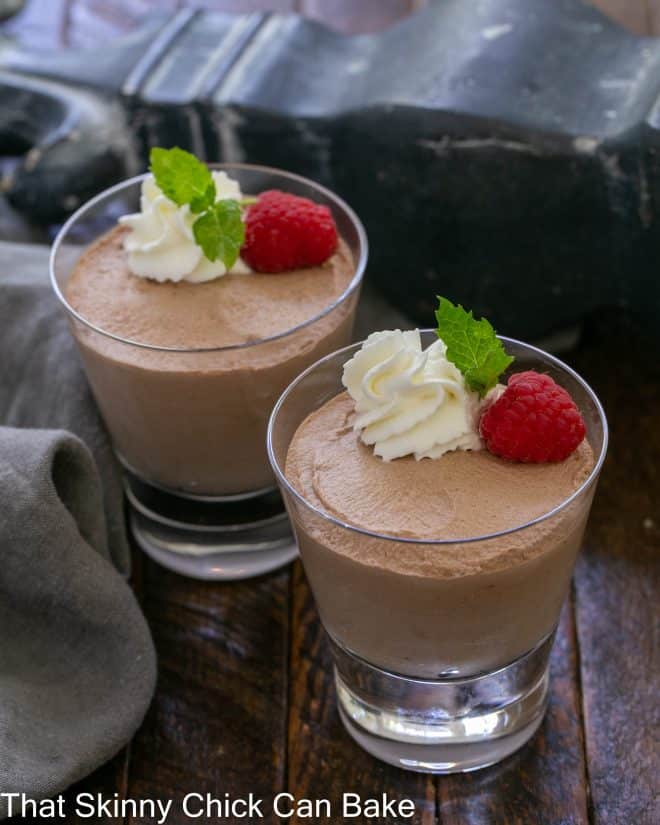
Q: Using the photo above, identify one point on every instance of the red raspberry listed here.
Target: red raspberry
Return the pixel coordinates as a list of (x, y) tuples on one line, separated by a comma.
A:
[(534, 420), (286, 232)]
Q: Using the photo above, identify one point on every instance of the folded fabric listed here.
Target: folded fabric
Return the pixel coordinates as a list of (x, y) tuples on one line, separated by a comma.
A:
[(42, 383), (77, 664)]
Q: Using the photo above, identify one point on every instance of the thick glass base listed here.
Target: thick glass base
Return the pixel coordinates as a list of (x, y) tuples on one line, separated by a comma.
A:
[(442, 726), (230, 538)]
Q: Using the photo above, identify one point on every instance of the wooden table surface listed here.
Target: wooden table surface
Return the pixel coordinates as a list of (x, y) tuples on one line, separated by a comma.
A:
[(245, 700)]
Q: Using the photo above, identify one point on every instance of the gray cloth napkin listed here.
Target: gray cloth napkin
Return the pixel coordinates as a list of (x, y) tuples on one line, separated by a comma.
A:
[(77, 664), (41, 379)]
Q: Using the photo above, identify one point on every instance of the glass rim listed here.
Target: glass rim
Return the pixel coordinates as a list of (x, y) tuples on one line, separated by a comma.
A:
[(360, 264), (586, 484)]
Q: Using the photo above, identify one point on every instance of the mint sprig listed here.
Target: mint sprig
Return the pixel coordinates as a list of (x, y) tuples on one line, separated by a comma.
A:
[(472, 346), (219, 228), (199, 203), (220, 231), (182, 177)]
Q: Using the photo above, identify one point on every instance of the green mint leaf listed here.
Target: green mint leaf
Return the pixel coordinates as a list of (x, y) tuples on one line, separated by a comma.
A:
[(182, 178), (200, 203), (219, 228), (472, 346), (220, 232)]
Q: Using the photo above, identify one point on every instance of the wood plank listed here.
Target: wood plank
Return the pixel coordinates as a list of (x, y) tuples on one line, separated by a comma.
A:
[(545, 782), (632, 14), (618, 580), (323, 761), (653, 14), (218, 721)]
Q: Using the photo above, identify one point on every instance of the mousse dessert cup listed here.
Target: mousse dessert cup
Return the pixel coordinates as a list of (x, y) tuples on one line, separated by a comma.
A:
[(440, 570), (185, 368)]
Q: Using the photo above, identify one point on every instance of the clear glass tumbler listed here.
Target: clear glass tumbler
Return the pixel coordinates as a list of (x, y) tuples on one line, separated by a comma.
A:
[(189, 425), (438, 673)]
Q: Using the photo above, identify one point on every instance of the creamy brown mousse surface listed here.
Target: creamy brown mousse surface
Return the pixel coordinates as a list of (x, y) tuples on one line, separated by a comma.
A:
[(233, 309), (196, 421), (422, 609), (460, 495)]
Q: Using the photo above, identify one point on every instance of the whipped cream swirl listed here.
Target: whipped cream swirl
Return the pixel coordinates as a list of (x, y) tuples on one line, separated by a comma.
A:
[(161, 244), (410, 401)]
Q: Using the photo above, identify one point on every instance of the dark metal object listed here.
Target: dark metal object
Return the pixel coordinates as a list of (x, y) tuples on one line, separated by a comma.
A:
[(501, 152), (8, 8), (75, 144)]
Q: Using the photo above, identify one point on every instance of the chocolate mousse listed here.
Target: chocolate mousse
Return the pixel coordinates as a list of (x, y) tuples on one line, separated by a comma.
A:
[(461, 495), (433, 609), (187, 393), (239, 308), (398, 463)]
